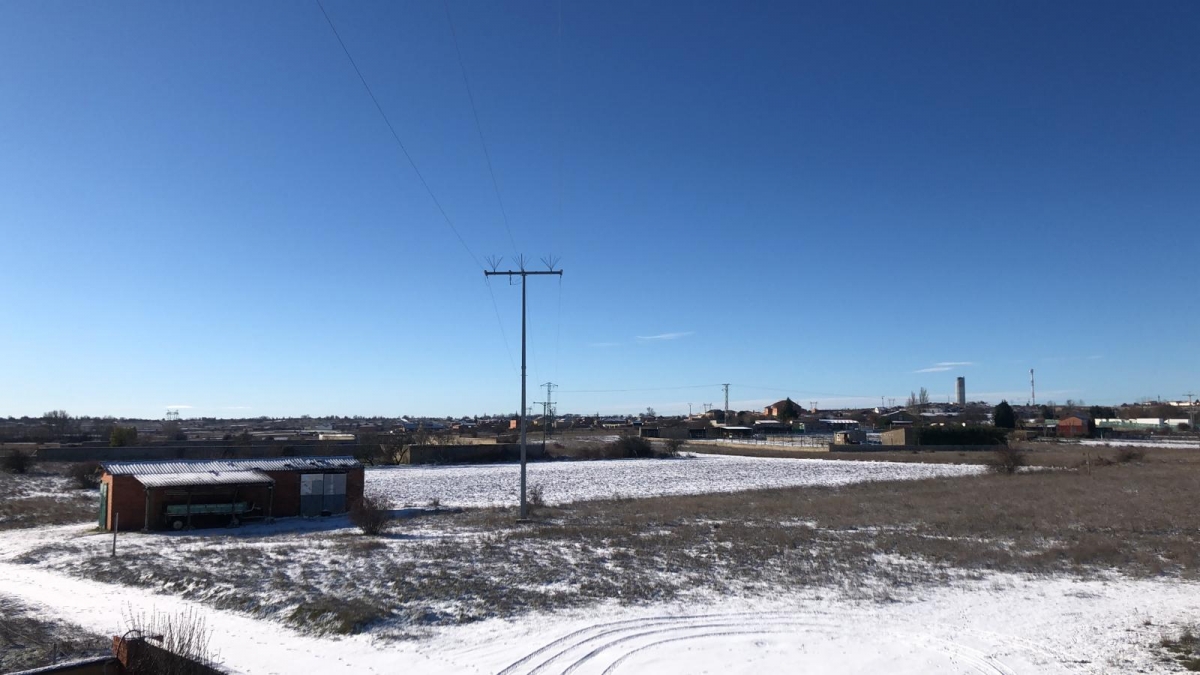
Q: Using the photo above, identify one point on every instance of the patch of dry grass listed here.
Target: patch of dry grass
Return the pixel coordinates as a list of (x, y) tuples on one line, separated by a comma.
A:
[(27, 641), (1184, 650), (43, 496)]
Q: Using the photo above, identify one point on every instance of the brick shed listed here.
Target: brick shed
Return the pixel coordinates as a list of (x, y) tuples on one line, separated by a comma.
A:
[(176, 494), (1075, 426)]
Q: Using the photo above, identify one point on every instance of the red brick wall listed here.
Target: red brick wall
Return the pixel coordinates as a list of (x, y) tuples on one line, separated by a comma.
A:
[(287, 493), (127, 497), (355, 484)]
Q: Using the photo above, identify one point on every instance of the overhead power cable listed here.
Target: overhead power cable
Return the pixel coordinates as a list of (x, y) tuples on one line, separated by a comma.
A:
[(479, 127), (612, 391), (396, 136), (503, 335)]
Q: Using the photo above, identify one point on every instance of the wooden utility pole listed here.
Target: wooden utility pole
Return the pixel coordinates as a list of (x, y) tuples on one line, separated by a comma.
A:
[(524, 274)]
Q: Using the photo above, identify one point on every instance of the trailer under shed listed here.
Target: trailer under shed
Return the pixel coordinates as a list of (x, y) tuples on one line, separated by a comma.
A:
[(178, 494)]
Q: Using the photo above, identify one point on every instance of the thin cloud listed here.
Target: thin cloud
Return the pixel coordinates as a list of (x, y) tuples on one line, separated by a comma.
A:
[(943, 366), (666, 336)]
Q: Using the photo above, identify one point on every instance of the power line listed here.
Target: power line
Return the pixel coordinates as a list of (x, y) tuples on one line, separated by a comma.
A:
[(614, 391), (504, 336), (478, 127), (558, 328), (395, 135)]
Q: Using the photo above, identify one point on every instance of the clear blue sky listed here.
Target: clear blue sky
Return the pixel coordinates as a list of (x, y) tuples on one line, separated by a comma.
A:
[(200, 206)]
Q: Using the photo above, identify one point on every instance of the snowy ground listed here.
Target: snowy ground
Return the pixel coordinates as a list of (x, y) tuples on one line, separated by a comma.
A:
[(1003, 625), (1163, 443), (563, 482), (971, 623)]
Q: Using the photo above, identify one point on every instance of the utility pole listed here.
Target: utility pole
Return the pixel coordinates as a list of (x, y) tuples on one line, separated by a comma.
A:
[(1191, 413), (547, 412), (524, 274), (1032, 391), (726, 386)]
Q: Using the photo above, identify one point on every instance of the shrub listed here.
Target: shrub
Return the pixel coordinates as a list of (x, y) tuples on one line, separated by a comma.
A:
[(1127, 455), (85, 475), (371, 514), (1007, 460), (631, 447), (534, 496), (673, 447), (18, 462), (170, 644)]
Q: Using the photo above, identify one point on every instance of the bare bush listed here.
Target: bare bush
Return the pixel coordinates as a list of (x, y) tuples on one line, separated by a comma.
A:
[(1007, 460), (371, 514), (534, 496), (1127, 455), (85, 475), (169, 644), (673, 447), (18, 462), (631, 447)]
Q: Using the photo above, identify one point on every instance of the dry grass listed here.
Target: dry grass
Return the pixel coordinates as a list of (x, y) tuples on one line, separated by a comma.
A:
[(27, 641), (869, 539), (1184, 650), (43, 496)]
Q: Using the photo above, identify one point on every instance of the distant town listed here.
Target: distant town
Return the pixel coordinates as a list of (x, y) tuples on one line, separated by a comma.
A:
[(784, 418)]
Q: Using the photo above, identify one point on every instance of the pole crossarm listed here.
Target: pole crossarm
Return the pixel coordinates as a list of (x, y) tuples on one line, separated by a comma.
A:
[(522, 272)]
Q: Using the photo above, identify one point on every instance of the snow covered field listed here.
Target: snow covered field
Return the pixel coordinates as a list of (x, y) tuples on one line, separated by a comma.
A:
[(1164, 443), (563, 482), (1004, 624)]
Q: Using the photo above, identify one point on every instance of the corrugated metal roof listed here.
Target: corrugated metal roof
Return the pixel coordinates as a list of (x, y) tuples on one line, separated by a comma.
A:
[(148, 467), (190, 478)]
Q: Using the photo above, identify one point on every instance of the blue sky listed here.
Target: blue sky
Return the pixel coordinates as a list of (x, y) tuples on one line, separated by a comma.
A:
[(200, 206)]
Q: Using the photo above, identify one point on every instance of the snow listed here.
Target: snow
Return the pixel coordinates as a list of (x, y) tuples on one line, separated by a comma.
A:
[(1004, 624), (1164, 443), (564, 482)]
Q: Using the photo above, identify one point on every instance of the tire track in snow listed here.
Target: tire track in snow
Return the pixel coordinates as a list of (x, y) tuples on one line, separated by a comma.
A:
[(611, 645)]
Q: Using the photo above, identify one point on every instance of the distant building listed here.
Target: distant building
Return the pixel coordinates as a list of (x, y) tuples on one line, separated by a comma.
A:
[(785, 408), (1075, 425), (901, 436), (960, 390)]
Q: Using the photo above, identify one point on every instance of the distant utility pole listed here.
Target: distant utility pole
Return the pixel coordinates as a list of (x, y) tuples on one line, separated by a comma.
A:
[(1032, 391), (726, 386), (524, 274), (547, 412), (1191, 412)]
